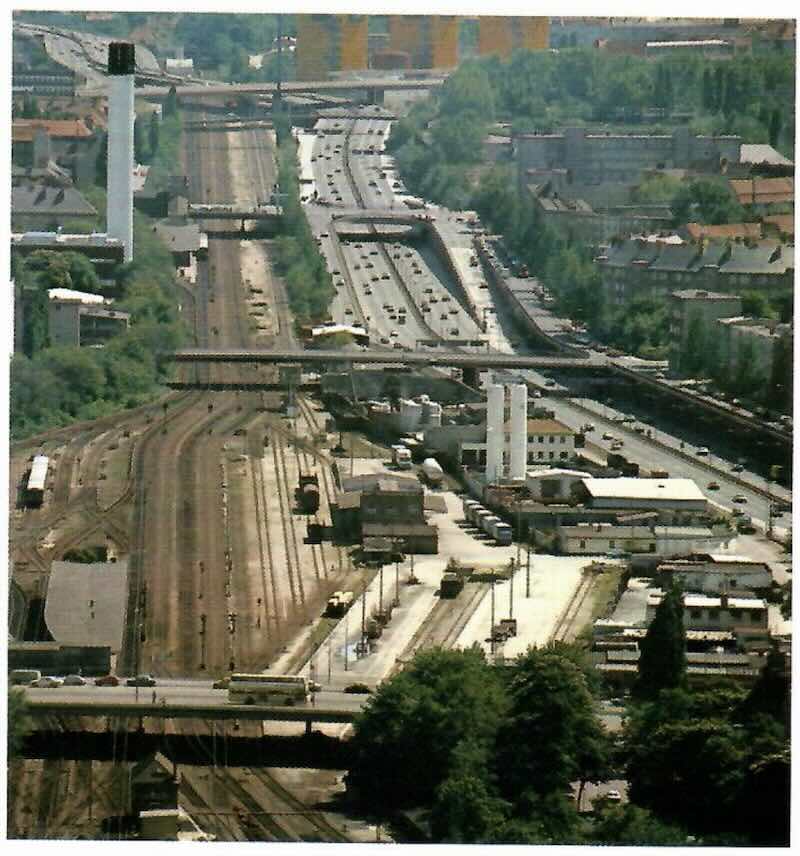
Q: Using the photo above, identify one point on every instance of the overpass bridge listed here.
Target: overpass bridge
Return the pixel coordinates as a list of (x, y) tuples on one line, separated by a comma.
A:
[(293, 87), (367, 356)]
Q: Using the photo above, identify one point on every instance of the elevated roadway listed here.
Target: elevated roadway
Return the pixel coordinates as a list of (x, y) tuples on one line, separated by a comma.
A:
[(381, 84), (377, 357), (222, 211)]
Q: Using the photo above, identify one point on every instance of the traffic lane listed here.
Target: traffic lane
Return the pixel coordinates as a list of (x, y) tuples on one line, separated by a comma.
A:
[(653, 456)]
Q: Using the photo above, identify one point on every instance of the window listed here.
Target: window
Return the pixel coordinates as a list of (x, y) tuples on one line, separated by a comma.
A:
[(563, 439), (612, 544), (651, 547), (733, 583), (713, 615), (735, 614), (552, 439), (564, 456), (540, 455), (583, 545), (552, 455), (541, 439), (696, 613)]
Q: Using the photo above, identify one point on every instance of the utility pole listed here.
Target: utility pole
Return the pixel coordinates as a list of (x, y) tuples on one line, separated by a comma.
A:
[(363, 645), (528, 572), (380, 591), (511, 590), (491, 628), (396, 578), (346, 634)]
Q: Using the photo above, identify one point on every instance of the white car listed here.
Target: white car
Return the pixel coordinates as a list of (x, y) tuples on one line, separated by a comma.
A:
[(613, 795), (74, 681), (47, 683)]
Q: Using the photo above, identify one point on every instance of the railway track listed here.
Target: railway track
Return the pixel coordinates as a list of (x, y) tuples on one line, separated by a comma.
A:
[(565, 629)]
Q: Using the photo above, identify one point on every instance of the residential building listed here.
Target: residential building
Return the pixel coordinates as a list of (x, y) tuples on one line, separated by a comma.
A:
[(594, 157), (603, 538), (635, 267), (69, 142), (82, 319), (48, 207), (186, 241), (746, 617), (692, 307), (763, 194), (755, 346), (716, 574)]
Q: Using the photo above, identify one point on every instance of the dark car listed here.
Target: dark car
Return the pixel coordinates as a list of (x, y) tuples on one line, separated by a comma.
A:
[(141, 681), (358, 688), (107, 681)]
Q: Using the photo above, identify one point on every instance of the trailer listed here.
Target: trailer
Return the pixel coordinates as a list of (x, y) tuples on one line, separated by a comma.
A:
[(487, 523), (468, 504), (307, 493), (502, 534), (481, 515), (451, 585), (432, 471), (34, 489)]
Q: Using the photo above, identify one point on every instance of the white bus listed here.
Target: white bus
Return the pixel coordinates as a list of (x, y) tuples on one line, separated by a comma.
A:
[(270, 689)]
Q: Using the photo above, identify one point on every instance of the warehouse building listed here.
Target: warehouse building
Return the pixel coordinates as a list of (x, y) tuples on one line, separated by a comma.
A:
[(716, 574), (675, 495), (605, 538)]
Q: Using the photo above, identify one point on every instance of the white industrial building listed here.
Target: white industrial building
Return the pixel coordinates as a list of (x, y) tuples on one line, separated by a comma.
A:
[(594, 539), (644, 494), (717, 573), (553, 485), (418, 414)]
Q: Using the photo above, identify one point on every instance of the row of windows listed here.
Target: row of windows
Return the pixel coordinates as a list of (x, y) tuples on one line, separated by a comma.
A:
[(713, 615)]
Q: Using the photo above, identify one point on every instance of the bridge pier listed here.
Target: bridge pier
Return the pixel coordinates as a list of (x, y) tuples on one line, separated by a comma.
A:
[(470, 375)]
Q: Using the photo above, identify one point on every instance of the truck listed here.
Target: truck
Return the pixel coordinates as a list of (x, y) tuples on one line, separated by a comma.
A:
[(451, 585), (401, 457), (338, 603), (488, 522), (307, 493), (432, 471), (467, 505), (480, 516)]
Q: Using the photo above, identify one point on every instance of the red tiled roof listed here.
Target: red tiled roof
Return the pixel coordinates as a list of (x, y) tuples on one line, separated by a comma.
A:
[(729, 230), (23, 130), (763, 191)]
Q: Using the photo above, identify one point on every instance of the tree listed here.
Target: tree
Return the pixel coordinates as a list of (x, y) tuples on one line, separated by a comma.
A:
[(771, 693), (662, 662), (138, 141), (171, 103), (19, 722), (551, 736), (631, 826), (153, 135), (405, 740)]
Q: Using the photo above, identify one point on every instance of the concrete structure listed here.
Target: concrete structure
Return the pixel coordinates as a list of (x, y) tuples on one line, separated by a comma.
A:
[(746, 617), (693, 308), (121, 67), (601, 538), (430, 41), (548, 440), (495, 420), (553, 485), (518, 441), (501, 36), (717, 574), (644, 494), (77, 318), (596, 157)]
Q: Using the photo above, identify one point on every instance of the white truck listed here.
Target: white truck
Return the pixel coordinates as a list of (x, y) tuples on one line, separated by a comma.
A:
[(432, 471), (501, 532), (488, 523), (401, 457), (467, 505)]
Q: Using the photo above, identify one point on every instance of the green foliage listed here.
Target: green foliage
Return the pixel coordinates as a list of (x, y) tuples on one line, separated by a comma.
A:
[(295, 252), (212, 40), (657, 188), (406, 739), (19, 722), (706, 201), (631, 826), (662, 664)]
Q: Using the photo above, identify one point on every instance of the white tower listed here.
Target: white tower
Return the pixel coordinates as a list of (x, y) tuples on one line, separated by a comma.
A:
[(495, 432), (119, 218), (519, 431)]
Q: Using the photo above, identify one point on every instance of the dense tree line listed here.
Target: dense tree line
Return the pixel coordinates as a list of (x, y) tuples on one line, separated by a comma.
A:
[(295, 252), (53, 386)]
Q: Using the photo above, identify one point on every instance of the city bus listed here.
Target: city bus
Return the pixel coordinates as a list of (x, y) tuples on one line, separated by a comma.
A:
[(269, 689)]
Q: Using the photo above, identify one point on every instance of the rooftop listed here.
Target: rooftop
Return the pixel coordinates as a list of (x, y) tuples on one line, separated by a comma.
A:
[(43, 200), (649, 489), (555, 473), (76, 296), (758, 153), (700, 294), (696, 231), (24, 130), (763, 191), (181, 237)]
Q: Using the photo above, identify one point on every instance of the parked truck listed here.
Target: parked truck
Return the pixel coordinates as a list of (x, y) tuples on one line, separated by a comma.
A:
[(502, 533), (488, 523), (401, 457), (432, 471), (338, 603), (467, 504)]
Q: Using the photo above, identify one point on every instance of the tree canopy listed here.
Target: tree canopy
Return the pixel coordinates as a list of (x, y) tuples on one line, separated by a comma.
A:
[(662, 663)]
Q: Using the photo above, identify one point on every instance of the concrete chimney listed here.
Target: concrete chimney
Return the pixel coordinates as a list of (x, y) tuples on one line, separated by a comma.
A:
[(495, 432), (121, 67), (519, 431)]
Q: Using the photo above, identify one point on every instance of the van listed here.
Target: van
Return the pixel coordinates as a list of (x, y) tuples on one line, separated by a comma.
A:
[(23, 677)]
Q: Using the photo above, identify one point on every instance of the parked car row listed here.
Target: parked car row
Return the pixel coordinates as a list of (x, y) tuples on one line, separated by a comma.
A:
[(34, 678)]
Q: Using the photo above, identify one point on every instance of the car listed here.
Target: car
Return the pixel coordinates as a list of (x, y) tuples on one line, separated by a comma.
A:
[(587, 427), (384, 340), (394, 334), (613, 795), (607, 435), (221, 684), (713, 485), (702, 452), (46, 683), (141, 681), (357, 688), (737, 468), (739, 499), (74, 681), (738, 512), (348, 311), (617, 445), (107, 681)]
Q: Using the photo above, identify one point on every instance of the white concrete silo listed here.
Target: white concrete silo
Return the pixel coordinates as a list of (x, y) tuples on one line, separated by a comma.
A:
[(495, 431), (519, 431)]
